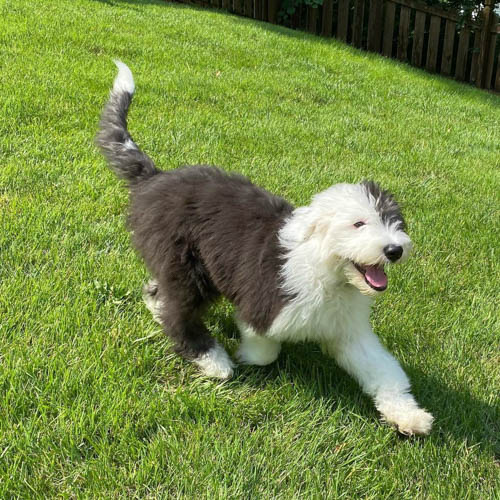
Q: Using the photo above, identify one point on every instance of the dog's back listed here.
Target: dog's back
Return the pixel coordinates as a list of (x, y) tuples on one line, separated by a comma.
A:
[(214, 230)]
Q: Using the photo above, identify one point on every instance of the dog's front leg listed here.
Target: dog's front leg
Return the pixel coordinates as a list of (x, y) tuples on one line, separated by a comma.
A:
[(380, 375)]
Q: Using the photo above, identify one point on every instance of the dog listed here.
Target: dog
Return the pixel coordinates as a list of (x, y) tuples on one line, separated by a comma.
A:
[(293, 274)]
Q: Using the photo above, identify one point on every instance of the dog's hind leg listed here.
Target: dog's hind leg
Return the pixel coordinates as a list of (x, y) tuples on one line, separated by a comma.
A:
[(179, 311), (256, 349)]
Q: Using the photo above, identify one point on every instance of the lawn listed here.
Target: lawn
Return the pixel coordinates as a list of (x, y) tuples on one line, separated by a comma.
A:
[(93, 404)]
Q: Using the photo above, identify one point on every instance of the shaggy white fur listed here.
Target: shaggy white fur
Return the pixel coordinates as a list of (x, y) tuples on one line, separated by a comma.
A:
[(124, 81), (333, 300), (256, 349), (215, 363)]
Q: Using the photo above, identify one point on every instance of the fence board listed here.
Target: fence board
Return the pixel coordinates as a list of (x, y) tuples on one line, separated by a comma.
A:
[(312, 19), (475, 56), (272, 10), (418, 39), (463, 47), (357, 24), (263, 10), (487, 15), (248, 8), (404, 32), (449, 38), (327, 18), (226, 4), (257, 13), (375, 25), (490, 62), (497, 79), (432, 49), (343, 19), (390, 11)]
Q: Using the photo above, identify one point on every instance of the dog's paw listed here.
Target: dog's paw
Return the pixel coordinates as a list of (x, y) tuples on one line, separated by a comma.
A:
[(215, 363), (152, 300), (416, 422), (150, 289), (406, 417)]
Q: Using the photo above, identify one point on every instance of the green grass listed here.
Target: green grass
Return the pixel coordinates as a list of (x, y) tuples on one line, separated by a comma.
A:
[(92, 402)]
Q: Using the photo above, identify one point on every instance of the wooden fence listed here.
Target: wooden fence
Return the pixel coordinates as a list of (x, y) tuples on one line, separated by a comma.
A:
[(424, 36)]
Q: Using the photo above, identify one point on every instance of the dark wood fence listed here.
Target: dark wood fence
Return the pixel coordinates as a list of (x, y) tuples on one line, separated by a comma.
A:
[(428, 37)]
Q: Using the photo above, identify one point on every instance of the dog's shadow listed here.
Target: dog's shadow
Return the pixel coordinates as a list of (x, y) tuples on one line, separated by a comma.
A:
[(459, 415)]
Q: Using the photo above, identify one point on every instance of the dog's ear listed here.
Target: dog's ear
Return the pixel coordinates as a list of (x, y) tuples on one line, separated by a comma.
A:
[(317, 228), (304, 226), (309, 232)]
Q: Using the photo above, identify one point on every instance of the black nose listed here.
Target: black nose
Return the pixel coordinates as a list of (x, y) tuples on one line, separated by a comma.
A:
[(393, 252)]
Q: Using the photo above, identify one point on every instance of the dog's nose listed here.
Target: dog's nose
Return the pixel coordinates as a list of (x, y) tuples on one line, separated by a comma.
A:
[(393, 252)]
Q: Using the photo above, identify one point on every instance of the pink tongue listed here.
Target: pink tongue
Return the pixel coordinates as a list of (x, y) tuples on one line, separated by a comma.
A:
[(376, 276)]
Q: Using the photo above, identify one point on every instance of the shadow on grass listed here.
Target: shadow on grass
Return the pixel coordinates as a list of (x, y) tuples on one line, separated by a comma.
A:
[(131, 4), (458, 414)]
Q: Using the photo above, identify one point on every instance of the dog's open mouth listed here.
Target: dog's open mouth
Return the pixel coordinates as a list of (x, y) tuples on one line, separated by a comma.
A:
[(374, 276)]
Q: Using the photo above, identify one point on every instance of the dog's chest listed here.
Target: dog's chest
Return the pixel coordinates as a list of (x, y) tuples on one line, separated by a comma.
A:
[(322, 318)]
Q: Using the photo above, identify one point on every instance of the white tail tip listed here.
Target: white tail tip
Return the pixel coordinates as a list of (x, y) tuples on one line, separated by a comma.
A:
[(124, 81)]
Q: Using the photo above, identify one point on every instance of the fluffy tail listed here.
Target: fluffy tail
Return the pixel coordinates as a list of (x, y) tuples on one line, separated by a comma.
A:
[(116, 144)]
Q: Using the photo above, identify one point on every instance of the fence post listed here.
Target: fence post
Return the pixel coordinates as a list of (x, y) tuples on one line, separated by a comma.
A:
[(375, 25), (357, 23), (390, 12), (343, 20), (272, 10), (327, 18), (312, 19), (484, 47), (497, 78)]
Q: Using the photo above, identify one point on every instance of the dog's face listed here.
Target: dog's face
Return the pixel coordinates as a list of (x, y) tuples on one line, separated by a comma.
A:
[(360, 230)]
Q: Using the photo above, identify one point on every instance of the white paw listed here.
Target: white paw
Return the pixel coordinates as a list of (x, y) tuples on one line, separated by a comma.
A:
[(406, 416), (215, 363), (417, 422)]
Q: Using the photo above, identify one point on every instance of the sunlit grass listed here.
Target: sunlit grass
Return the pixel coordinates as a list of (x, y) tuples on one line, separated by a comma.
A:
[(92, 402)]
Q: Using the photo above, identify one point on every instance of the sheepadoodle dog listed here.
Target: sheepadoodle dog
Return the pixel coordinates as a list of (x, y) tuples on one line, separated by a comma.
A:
[(293, 274)]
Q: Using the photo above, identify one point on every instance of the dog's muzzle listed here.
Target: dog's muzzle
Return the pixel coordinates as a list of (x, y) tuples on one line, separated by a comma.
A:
[(374, 276)]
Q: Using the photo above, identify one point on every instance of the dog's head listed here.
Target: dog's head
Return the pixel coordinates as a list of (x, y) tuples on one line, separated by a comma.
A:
[(358, 229)]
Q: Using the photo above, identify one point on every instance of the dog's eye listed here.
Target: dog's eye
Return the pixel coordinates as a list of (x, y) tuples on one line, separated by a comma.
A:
[(359, 224)]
